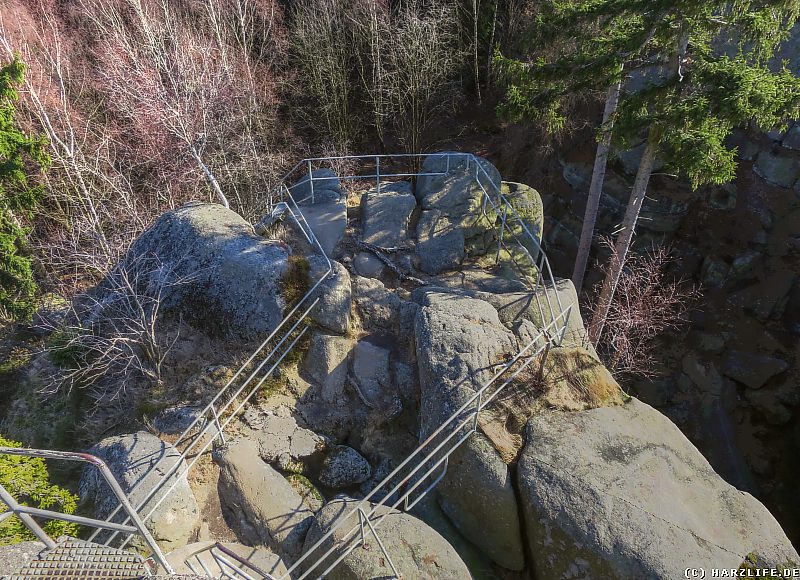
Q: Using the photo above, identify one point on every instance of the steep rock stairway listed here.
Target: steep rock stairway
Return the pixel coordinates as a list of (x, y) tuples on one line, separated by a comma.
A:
[(108, 552)]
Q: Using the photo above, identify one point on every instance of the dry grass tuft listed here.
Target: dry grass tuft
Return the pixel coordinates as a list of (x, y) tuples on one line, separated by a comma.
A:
[(571, 379)]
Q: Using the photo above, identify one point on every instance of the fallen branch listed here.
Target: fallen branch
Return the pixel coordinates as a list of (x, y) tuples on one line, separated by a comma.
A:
[(380, 253)]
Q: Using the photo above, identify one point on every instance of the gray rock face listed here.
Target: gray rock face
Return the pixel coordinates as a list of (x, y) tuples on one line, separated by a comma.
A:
[(619, 492), (416, 549), (459, 341), (541, 307), (384, 222), (780, 170), (142, 457), (15, 556), (269, 510), (451, 215), (344, 467), (279, 433), (326, 364), (232, 276), (792, 138), (326, 187), (372, 374), (440, 242), (481, 280), (335, 296), (175, 420), (752, 369), (378, 307), (767, 298), (328, 221)]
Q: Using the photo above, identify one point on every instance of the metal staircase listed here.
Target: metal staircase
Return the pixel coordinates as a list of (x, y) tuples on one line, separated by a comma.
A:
[(421, 471)]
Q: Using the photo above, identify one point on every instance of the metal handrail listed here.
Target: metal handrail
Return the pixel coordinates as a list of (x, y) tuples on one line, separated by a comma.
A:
[(26, 513), (223, 556), (440, 454), (552, 333)]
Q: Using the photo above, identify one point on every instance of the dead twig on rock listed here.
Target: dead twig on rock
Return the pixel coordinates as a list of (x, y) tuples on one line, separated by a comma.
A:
[(380, 253)]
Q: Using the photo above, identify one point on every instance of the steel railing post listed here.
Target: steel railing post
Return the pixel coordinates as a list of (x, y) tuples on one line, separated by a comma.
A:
[(378, 174), (311, 181)]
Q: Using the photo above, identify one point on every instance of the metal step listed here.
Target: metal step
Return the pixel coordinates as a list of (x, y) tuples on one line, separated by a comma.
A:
[(78, 559)]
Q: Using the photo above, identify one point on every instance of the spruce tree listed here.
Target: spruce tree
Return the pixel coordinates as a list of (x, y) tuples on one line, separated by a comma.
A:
[(20, 157), (694, 95)]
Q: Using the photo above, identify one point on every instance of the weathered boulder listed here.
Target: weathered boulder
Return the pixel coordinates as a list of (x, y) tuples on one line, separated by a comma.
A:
[(416, 549), (480, 279), (372, 376), (459, 343), (269, 511), (767, 405), (440, 242), (452, 224), (13, 557), (261, 558), (752, 369), (335, 295), (792, 138), (326, 363), (384, 222), (378, 307), (175, 420), (703, 374), (343, 467), (327, 219), (777, 169), (767, 298), (526, 223), (215, 269), (620, 492), (140, 462), (278, 433), (542, 307)]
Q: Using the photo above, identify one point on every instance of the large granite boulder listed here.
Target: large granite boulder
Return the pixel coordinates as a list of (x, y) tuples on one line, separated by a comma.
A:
[(777, 168), (416, 549), (452, 225), (335, 295), (214, 269), (620, 492), (459, 342), (268, 509), (384, 222), (14, 556), (542, 307), (140, 462)]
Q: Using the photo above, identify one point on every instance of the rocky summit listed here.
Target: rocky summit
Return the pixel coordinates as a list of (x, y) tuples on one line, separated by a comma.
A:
[(410, 319)]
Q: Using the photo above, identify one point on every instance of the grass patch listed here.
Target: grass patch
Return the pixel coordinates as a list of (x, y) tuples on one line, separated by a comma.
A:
[(297, 280), (570, 379)]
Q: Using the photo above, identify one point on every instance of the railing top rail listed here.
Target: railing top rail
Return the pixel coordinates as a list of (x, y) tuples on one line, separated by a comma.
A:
[(456, 416), (137, 524)]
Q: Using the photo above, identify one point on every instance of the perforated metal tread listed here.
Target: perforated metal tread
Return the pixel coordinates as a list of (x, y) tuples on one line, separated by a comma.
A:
[(83, 560)]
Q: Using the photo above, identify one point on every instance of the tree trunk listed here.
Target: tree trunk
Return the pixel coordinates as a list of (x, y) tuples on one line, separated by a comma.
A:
[(596, 187), (212, 181), (475, 49), (623, 243)]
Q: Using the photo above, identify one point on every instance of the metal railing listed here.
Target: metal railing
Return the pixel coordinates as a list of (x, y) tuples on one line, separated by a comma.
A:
[(27, 514), (523, 250), (421, 471), (212, 421), (228, 564)]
